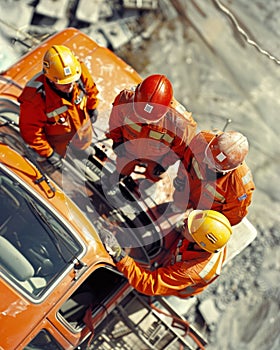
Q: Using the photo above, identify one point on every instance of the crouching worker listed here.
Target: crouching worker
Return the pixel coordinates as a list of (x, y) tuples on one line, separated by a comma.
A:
[(58, 106), (146, 129), (196, 262)]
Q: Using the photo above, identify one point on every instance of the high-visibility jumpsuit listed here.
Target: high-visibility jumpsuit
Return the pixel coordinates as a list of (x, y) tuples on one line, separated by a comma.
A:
[(157, 143), (189, 273), (229, 193), (49, 121)]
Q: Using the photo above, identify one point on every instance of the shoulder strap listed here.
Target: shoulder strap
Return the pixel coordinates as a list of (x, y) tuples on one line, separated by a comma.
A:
[(82, 86)]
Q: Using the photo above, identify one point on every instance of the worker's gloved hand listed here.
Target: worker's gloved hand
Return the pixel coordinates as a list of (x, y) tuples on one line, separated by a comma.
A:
[(158, 170), (112, 245), (93, 114), (55, 160), (180, 226), (119, 149), (179, 184)]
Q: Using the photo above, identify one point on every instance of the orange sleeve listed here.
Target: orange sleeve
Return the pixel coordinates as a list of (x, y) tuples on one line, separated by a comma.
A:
[(184, 129), (116, 121), (237, 187), (31, 123), (164, 280), (235, 211)]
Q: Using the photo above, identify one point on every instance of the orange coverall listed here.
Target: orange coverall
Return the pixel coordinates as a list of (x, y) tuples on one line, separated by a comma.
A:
[(163, 142), (48, 121), (230, 194), (189, 272)]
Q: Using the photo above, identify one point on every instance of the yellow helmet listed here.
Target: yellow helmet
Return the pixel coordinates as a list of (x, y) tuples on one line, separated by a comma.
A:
[(210, 229), (61, 66)]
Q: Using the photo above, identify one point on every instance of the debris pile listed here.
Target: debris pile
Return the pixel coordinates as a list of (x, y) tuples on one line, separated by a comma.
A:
[(111, 23)]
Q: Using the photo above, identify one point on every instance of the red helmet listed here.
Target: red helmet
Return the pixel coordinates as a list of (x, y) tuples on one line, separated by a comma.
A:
[(152, 97), (226, 151)]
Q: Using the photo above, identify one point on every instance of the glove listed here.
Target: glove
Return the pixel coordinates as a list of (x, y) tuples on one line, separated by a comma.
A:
[(180, 226), (112, 245), (119, 149), (93, 114), (179, 184), (158, 170), (55, 161)]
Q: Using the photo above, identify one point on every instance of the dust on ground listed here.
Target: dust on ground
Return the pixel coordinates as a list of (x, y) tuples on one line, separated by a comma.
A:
[(218, 75)]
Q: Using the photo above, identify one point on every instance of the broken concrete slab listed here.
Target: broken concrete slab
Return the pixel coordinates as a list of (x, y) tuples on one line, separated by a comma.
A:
[(97, 36), (92, 11), (141, 4), (209, 311), (117, 33), (16, 15), (52, 8), (88, 11)]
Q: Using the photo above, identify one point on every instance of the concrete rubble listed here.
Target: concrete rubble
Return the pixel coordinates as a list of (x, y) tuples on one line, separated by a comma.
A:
[(209, 312), (111, 23)]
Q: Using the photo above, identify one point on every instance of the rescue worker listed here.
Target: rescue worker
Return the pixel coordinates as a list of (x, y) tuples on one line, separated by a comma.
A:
[(214, 175), (196, 262), (146, 130), (58, 105)]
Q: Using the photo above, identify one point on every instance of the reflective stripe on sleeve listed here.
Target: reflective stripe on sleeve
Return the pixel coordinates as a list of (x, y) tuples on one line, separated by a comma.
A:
[(216, 258), (57, 111), (33, 83)]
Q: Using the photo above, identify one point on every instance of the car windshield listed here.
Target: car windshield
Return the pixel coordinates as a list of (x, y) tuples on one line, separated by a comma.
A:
[(35, 246)]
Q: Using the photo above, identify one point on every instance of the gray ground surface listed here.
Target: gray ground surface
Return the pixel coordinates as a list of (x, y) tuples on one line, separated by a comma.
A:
[(218, 75)]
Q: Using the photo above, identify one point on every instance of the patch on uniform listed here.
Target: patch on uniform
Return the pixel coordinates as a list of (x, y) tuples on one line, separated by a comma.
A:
[(241, 198), (148, 108), (67, 70), (202, 244), (221, 157), (246, 178)]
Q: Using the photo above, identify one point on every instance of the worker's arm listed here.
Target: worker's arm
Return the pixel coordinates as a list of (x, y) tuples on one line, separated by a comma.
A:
[(162, 281), (32, 122)]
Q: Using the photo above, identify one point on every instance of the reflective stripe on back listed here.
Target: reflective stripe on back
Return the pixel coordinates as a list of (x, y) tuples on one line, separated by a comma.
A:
[(214, 193), (208, 187), (153, 134), (132, 125), (196, 169)]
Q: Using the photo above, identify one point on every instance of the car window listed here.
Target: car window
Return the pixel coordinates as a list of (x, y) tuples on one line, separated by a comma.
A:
[(35, 246), (43, 341)]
